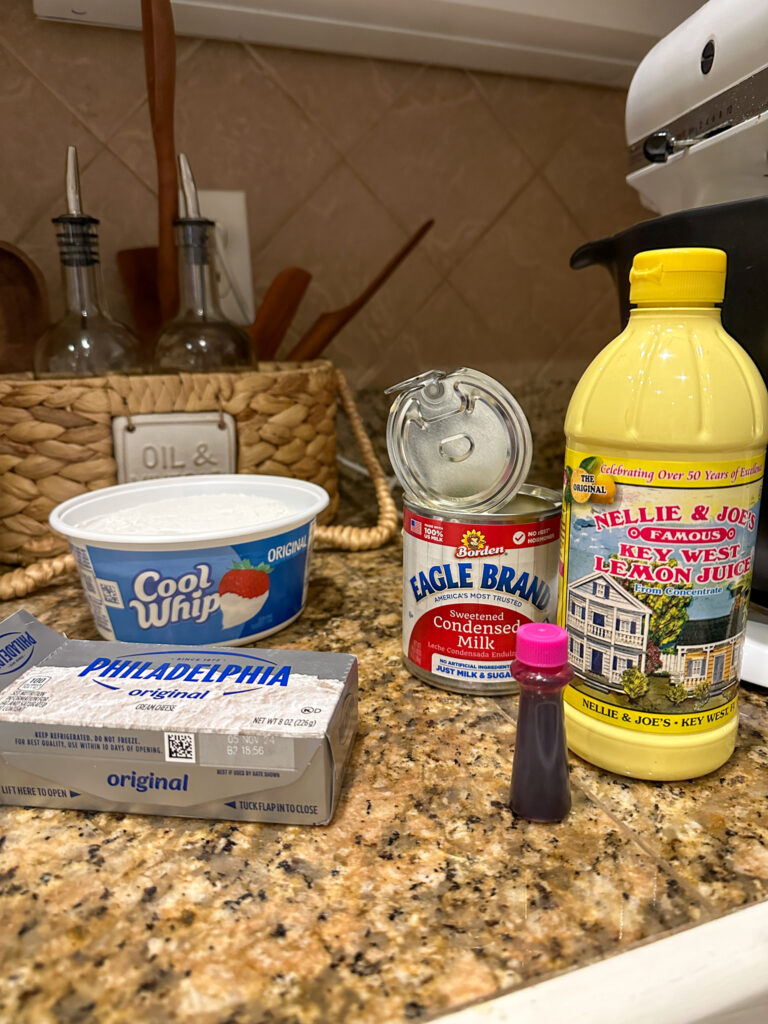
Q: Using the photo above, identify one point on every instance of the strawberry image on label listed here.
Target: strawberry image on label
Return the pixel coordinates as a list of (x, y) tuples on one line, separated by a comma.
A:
[(243, 592)]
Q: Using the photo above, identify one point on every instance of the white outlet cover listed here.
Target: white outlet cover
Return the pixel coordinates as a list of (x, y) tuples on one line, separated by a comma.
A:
[(228, 209)]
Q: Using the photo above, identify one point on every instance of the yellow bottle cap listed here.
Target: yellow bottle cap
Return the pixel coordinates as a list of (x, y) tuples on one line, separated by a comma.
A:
[(660, 276)]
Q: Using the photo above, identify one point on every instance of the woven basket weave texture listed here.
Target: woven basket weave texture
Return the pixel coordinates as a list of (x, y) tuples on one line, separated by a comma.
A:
[(56, 436)]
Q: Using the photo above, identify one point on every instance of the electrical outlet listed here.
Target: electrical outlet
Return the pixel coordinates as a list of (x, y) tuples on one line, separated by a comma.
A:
[(228, 209)]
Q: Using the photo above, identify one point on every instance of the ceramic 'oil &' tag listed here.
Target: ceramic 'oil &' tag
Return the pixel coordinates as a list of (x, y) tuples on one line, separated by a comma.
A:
[(173, 444)]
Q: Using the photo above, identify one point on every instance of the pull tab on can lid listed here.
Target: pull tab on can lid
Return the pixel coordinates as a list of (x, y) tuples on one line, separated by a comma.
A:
[(458, 440)]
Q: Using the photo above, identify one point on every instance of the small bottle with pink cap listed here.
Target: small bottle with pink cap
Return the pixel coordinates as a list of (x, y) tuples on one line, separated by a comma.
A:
[(540, 787)]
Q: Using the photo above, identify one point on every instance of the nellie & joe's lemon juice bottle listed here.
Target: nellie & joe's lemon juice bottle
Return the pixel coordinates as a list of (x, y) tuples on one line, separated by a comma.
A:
[(665, 448)]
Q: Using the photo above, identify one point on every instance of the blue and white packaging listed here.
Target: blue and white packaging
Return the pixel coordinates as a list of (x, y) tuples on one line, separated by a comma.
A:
[(223, 733), (202, 587)]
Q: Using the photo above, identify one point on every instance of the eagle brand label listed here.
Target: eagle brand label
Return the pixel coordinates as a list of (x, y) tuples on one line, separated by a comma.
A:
[(467, 588), (657, 564)]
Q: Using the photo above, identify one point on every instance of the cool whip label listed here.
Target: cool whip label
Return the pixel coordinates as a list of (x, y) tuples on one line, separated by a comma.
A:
[(467, 588), (196, 596), (217, 732), (657, 565)]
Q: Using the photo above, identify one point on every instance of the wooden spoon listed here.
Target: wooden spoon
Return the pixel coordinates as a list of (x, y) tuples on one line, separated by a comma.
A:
[(150, 274), (328, 325), (160, 60), (138, 272), (277, 310), (23, 309)]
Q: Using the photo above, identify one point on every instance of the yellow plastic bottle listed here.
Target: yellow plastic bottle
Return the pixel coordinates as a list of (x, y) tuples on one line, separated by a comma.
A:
[(665, 449)]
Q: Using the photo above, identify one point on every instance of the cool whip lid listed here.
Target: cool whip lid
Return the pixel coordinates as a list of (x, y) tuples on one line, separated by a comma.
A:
[(458, 440)]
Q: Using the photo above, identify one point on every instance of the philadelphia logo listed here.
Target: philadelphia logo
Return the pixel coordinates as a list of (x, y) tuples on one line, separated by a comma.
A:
[(16, 649), (240, 671)]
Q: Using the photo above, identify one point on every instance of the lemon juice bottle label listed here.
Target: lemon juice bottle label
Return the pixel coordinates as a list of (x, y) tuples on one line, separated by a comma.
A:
[(656, 563)]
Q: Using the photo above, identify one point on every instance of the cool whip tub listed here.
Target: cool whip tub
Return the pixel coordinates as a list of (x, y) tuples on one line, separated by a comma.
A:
[(194, 560)]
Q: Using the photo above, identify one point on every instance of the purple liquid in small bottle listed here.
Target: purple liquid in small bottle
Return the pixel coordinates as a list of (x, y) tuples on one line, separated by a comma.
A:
[(540, 785)]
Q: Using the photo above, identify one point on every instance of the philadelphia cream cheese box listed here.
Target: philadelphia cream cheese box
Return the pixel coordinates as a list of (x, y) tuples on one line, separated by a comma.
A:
[(247, 735)]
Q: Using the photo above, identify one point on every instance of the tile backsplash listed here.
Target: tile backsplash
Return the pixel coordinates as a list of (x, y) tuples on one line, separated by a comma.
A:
[(341, 159)]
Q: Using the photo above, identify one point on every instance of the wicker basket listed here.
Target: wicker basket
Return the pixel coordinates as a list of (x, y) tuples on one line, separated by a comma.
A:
[(56, 442)]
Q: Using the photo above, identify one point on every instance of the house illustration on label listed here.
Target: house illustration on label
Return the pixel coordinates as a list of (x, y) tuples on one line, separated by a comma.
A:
[(705, 654), (607, 629)]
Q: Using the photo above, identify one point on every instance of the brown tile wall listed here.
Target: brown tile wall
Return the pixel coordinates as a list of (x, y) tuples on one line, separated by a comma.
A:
[(341, 158)]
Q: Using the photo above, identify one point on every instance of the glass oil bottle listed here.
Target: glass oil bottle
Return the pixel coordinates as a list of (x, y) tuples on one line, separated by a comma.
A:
[(86, 341), (200, 338)]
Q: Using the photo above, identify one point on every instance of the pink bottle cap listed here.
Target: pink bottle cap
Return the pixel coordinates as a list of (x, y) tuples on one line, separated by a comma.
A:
[(542, 645)]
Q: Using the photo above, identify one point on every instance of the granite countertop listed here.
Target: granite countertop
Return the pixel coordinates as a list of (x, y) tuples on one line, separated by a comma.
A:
[(423, 894)]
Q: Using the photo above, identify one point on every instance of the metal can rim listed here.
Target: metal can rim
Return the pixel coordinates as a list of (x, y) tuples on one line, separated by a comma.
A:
[(547, 494), (490, 392)]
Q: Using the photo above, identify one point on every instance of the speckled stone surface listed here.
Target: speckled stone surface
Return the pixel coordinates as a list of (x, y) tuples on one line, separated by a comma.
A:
[(423, 894)]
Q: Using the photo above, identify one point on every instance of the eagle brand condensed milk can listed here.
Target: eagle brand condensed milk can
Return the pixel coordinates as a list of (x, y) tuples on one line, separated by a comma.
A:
[(480, 547)]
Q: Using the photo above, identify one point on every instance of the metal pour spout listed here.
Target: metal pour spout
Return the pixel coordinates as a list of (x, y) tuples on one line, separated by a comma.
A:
[(74, 207), (188, 189)]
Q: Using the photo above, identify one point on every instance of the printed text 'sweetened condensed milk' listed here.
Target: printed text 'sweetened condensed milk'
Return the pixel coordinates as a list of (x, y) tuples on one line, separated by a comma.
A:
[(480, 548)]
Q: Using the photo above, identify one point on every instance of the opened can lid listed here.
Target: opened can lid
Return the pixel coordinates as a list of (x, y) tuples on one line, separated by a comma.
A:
[(458, 440)]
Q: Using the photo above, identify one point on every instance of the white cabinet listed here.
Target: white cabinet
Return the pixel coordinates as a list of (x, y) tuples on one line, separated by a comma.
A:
[(598, 41)]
